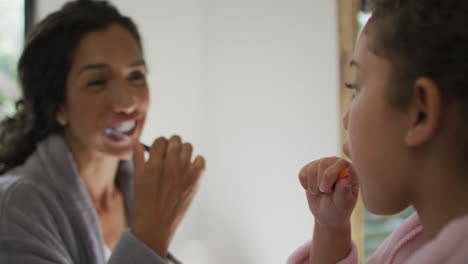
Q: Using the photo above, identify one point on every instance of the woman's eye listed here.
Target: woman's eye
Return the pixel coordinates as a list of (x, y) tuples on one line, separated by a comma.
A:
[(96, 83)]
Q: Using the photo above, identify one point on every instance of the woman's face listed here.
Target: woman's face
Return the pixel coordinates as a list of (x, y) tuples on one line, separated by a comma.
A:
[(106, 91), (376, 132)]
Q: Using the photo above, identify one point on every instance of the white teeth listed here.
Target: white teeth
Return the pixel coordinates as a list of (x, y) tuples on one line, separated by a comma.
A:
[(125, 126)]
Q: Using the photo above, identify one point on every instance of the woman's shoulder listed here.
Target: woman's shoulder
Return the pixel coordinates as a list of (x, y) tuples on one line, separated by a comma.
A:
[(28, 196), (24, 185), (30, 187), (25, 199), (32, 220)]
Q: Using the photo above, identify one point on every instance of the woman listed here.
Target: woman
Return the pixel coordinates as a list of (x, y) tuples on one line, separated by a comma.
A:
[(68, 194), (407, 138)]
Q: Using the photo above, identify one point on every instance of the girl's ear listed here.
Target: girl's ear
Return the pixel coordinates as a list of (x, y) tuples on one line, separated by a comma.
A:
[(425, 112)]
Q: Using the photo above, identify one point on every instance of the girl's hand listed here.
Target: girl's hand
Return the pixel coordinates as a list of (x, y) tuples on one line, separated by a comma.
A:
[(164, 188), (331, 199)]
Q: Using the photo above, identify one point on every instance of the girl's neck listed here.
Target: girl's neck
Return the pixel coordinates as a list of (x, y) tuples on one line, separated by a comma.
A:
[(441, 198)]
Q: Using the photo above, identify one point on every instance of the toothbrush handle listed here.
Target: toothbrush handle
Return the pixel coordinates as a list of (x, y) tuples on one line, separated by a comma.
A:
[(344, 174), (146, 147)]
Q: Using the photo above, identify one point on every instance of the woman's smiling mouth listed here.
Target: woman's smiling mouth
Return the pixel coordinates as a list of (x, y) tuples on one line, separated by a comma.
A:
[(122, 131)]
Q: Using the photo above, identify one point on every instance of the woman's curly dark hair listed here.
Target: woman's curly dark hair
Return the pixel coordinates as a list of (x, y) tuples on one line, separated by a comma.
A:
[(43, 71), (423, 38)]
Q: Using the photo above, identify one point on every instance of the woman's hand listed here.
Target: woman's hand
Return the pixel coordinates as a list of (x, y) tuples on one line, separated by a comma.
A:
[(164, 188), (331, 201)]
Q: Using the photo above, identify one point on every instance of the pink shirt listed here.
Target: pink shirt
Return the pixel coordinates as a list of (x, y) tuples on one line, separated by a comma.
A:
[(408, 245)]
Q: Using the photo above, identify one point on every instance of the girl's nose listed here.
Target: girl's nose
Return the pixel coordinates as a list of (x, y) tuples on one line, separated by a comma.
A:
[(346, 120)]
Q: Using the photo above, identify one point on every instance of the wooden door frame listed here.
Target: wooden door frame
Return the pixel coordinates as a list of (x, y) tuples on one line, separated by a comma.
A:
[(348, 29)]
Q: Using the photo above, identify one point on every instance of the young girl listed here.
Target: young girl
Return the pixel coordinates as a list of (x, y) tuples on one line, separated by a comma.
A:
[(406, 137)]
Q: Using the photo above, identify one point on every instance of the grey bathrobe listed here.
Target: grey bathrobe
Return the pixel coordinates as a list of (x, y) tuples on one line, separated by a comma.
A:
[(46, 213)]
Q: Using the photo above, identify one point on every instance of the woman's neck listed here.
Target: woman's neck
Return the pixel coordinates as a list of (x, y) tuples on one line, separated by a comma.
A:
[(99, 177), (98, 172)]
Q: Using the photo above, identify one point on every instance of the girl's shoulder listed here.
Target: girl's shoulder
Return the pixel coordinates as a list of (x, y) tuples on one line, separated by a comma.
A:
[(450, 245), (401, 243)]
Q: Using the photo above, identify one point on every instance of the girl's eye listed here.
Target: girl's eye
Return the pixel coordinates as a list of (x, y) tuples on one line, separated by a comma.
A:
[(137, 76)]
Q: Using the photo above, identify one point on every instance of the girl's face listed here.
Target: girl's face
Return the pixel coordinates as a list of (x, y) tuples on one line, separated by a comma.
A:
[(376, 132), (106, 89)]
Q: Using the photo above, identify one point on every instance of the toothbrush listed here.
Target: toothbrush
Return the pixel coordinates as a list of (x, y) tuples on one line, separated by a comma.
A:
[(344, 174), (146, 147), (122, 136)]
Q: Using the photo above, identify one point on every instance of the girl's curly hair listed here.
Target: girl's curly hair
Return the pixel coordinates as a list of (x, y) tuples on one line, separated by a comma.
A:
[(423, 38)]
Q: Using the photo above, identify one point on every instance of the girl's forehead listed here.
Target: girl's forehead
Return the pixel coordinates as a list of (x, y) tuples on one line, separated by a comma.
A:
[(361, 51), (364, 52)]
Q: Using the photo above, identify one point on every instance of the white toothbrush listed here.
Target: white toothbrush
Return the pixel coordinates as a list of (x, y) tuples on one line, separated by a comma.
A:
[(122, 136)]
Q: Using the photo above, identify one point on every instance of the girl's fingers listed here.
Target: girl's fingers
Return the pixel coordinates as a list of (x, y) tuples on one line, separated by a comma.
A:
[(303, 176), (324, 164), (346, 194), (309, 174), (320, 176), (332, 173)]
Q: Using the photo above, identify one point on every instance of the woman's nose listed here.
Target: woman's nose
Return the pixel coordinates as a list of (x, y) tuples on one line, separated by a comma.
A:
[(125, 99)]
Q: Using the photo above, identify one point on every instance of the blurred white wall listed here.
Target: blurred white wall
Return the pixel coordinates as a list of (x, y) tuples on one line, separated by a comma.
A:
[(254, 85)]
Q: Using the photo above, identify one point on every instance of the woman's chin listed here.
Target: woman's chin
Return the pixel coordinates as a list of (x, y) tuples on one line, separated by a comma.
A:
[(125, 154), (122, 152)]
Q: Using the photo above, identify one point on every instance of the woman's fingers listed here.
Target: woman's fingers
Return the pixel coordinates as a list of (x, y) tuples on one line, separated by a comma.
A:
[(159, 148), (164, 193), (186, 155), (172, 168), (196, 169), (173, 152), (142, 182), (138, 159), (157, 156)]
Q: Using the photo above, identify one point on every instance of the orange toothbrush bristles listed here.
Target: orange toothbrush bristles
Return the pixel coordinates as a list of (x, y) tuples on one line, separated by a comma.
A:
[(344, 173)]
